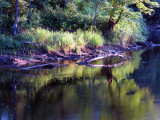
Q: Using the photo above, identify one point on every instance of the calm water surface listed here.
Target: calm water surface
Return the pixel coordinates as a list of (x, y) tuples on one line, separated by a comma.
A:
[(128, 92)]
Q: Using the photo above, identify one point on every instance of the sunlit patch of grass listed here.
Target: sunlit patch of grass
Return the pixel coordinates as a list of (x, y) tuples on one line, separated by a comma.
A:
[(61, 40), (93, 39), (79, 38), (66, 41)]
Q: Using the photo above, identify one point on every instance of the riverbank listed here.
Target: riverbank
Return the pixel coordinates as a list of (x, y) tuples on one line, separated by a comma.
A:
[(55, 59)]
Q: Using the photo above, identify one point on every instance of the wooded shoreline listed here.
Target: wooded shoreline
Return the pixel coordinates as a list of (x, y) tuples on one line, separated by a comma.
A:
[(51, 60)]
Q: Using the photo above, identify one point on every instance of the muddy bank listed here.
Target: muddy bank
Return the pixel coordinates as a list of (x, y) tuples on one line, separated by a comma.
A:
[(54, 59)]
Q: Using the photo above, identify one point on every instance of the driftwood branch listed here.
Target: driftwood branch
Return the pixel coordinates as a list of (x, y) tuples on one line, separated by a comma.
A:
[(36, 66), (109, 65), (44, 65), (25, 42), (87, 62), (119, 18), (155, 45), (101, 57)]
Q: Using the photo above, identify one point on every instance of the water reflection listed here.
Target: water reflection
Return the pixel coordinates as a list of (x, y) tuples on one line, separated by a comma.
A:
[(148, 75), (81, 92)]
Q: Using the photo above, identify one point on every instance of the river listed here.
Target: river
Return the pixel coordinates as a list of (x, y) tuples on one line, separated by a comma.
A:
[(77, 92)]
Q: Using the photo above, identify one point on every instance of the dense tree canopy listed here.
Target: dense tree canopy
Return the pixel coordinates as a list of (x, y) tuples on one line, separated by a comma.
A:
[(114, 9)]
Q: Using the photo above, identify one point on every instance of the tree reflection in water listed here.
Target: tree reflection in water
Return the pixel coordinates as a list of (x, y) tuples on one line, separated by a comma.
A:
[(109, 75), (77, 92)]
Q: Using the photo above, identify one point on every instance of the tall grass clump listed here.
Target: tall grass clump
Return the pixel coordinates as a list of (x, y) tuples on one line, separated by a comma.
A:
[(61, 41), (66, 41), (54, 40), (90, 39), (42, 36), (50, 40), (79, 38), (93, 39)]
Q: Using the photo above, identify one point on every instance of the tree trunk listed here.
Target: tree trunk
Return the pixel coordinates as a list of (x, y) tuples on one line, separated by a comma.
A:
[(95, 19), (16, 18), (1, 7), (15, 99), (62, 3), (1, 11), (30, 14), (111, 23)]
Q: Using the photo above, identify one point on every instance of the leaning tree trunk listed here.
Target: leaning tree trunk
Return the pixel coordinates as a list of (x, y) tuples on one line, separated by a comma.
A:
[(16, 18), (111, 23)]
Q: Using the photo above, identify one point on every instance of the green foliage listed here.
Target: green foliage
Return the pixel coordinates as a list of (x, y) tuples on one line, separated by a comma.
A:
[(78, 14), (146, 6), (5, 22), (68, 20), (36, 18), (8, 43), (129, 31)]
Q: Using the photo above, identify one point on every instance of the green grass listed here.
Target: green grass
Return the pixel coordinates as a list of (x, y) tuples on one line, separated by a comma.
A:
[(61, 41), (56, 41), (93, 39)]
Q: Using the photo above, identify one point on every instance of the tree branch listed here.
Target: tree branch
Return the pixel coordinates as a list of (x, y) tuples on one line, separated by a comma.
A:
[(119, 17)]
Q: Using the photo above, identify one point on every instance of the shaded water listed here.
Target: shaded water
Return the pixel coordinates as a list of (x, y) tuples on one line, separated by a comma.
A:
[(128, 92)]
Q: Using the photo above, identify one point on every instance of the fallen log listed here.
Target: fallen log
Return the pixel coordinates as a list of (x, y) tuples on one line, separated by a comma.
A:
[(44, 65), (155, 45), (109, 65), (25, 42), (37, 66), (86, 62)]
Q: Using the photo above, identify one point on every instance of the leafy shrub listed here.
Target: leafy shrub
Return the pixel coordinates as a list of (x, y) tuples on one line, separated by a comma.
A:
[(7, 42), (129, 31), (68, 20)]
